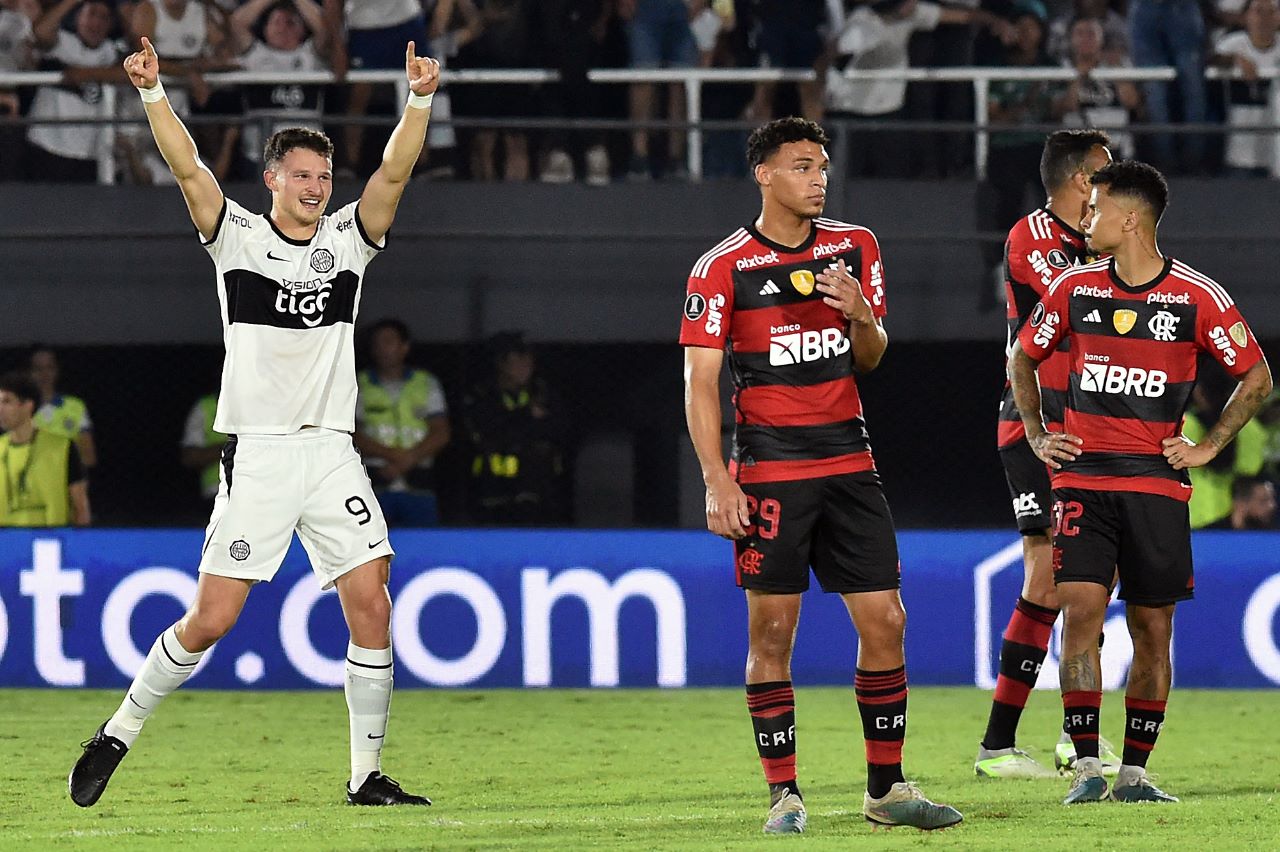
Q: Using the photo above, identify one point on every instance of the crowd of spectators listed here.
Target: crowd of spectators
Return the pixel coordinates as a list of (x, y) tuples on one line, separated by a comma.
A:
[(86, 38)]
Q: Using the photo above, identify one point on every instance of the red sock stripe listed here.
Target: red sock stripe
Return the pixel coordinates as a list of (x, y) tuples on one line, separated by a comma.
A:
[(1144, 704), (1042, 614), (773, 695), (1084, 736), (1012, 692), (1082, 698), (880, 751), (900, 695), (1140, 746), (778, 770), (1028, 631), (880, 679), (769, 714)]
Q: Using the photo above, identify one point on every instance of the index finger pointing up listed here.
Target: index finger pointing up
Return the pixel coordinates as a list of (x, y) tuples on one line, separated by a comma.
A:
[(146, 46), (410, 58)]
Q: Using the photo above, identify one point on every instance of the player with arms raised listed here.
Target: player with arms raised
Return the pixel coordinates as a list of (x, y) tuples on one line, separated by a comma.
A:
[(1135, 325), (288, 286), (796, 301)]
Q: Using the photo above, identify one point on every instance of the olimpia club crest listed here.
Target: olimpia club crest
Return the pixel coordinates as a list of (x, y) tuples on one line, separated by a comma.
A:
[(322, 260)]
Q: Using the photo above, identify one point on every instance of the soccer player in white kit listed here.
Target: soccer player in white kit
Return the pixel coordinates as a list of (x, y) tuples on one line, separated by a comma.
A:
[(289, 288)]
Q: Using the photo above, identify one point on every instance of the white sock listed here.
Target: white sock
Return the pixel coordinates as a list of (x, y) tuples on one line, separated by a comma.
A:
[(167, 667), (368, 690)]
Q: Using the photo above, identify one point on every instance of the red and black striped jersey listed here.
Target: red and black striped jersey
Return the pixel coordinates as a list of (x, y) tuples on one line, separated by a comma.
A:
[(1039, 248), (1132, 354), (797, 407)]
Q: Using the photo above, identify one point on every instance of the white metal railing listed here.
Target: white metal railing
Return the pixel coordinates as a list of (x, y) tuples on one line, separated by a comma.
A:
[(693, 80)]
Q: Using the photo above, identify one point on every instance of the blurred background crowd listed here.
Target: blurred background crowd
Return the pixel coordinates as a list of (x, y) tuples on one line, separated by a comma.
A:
[(573, 129)]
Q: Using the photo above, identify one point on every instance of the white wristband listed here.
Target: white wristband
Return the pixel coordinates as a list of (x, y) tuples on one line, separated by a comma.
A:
[(420, 101), (155, 93)]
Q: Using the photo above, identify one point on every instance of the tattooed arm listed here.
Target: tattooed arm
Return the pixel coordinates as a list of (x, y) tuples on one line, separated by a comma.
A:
[(1052, 448), (1252, 391)]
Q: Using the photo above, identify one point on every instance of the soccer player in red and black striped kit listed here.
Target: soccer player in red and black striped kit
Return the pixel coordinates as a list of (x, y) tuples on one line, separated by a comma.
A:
[(1041, 246), (1135, 325), (796, 302)]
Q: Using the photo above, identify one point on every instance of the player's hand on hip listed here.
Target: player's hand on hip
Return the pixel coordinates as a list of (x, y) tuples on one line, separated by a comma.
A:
[(844, 293), (1053, 448), (143, 67), (1181, 453), (423, 72), (727, 512)]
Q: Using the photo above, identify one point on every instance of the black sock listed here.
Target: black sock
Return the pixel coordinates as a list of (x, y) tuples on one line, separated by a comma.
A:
[(773, 717), (882, 703), (1022, 652), (1142, 724)]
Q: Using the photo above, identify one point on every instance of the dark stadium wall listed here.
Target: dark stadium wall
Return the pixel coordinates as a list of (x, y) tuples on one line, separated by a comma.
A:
[(931, 410), (568, 263)]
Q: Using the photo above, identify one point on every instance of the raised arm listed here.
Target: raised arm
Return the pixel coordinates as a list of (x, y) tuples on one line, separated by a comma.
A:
[(241, 24), (316, 21), (45, 31), (199, 186), (727, 513), (382, 193)]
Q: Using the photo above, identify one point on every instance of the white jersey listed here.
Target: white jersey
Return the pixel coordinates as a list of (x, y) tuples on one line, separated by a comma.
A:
[(180, 38), (75, 141), (380, 14), (288, 314)]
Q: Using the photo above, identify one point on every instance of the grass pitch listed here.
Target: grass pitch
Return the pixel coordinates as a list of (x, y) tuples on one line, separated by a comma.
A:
[(641, 769)]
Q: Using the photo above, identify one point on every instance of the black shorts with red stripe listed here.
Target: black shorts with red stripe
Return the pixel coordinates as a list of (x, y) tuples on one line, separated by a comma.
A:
[(840, 526), (1146, 537)]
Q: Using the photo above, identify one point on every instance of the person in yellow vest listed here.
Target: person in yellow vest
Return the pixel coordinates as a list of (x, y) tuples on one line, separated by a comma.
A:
[(61, 413), (1211, 484), (402, 424), (42, 480), (201, 446), (519, 442)]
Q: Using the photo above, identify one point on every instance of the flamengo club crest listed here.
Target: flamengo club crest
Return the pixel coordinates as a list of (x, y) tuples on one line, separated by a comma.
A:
[(1124, 320)]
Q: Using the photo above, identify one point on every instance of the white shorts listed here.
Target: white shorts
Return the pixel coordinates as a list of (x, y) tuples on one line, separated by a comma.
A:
[(271, 485)]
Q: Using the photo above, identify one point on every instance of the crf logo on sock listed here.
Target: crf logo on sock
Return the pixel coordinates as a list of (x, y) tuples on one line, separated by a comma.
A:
[(1082, 720), (890, 723), (1030, 666), (1145, 726), (777, 738)]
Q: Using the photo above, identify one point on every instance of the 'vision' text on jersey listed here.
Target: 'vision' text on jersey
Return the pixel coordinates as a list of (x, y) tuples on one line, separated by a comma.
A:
[(1039, 249), (798, 411), (1132, 359), (288, 312)]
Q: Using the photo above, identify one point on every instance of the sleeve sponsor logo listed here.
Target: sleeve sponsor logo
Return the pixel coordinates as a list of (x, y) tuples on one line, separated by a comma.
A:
[(877, 284), (694, 307), (344, 225), (1048, 328), (237, 219), (1239, 335), (714, 317), (1223, 344), (1118, 379)]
